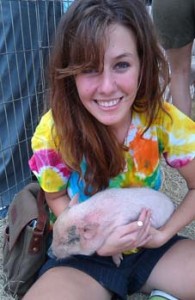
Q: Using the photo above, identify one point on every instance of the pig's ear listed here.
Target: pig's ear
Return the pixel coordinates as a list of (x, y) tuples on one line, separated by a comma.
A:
[(74, 200), (88, 231)]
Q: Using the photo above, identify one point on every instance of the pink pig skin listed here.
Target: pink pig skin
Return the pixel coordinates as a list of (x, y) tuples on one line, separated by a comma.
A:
[(83, 228)]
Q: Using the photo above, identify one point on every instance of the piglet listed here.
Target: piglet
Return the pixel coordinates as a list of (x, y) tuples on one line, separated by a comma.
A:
[(83, 228)]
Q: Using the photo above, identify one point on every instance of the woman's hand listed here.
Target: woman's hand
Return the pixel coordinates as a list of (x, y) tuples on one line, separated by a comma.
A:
[(157, 238), (127, 237)]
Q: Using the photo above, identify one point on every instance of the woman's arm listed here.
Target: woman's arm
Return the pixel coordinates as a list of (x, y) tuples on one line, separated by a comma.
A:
[(183, 215), (131, 235), (57, 202)]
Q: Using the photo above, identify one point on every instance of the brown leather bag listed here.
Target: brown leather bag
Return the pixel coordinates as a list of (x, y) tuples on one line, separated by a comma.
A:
[(25, 240)]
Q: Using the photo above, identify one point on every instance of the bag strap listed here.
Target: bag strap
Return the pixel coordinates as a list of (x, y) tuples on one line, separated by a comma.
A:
[(42, 217), (36, 243)]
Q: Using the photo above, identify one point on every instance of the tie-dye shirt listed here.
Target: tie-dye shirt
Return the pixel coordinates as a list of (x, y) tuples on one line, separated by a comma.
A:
[(174, 138)]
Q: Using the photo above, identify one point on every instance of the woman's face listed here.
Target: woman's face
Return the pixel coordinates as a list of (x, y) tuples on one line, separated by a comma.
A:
[(108, 95)]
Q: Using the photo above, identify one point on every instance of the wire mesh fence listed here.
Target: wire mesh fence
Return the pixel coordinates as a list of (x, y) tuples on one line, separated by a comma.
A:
[(27, 29)]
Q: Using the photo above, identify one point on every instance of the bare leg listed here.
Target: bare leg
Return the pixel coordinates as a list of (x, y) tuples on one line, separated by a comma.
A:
[(65, 283), (180, 65), (175, 272)]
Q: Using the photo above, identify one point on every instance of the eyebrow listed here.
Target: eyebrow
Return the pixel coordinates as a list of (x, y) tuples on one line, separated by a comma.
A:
[(126, 54)]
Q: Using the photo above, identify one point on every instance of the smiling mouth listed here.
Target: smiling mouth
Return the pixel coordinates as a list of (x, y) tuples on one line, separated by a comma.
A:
[(109, 103)]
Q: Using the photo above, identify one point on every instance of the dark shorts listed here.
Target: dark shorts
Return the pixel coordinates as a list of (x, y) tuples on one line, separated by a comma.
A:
[(174, 21), (124, 280)]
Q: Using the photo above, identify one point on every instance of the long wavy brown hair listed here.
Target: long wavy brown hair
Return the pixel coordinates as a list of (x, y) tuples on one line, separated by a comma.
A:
[(80, 43)]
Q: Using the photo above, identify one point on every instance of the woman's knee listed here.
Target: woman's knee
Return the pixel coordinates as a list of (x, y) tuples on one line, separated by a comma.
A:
[(175, 271), (66, 283)]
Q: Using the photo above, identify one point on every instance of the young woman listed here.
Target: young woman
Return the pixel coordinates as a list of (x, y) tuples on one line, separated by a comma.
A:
[(108, 127)]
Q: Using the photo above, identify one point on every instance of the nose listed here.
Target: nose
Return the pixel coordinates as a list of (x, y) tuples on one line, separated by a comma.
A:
[(107, 82)]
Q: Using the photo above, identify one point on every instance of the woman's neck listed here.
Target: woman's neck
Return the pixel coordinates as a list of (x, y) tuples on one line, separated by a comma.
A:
[(121, 130)]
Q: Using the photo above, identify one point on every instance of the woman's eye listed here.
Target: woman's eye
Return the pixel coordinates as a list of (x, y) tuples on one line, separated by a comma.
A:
[(122, 65)]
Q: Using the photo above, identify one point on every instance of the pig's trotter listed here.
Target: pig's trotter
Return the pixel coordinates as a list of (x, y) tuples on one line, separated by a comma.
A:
[(117, 259)]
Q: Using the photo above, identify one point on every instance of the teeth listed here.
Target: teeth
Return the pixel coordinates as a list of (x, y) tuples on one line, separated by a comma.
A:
[(108, 103)]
